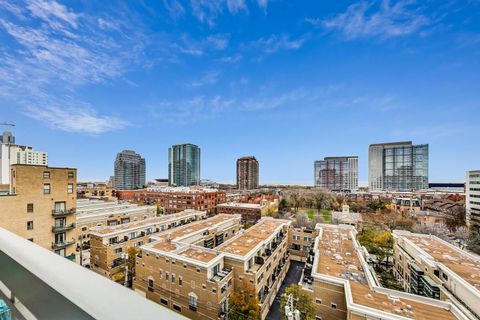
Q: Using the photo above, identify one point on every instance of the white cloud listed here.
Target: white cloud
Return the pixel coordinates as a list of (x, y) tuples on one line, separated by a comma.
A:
[(231, 59), (47, 62), (208, 78), (219, 42), (277, 42), (194, 109), (53, 13), (78, 119), (174, 8), (207, 11), (370, 19)]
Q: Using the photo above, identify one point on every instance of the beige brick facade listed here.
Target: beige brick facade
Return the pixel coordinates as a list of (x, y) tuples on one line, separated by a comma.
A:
[(41, 207)]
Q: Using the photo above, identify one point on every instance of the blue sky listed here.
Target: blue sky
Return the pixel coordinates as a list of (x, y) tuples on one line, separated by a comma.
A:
[(287, 81)]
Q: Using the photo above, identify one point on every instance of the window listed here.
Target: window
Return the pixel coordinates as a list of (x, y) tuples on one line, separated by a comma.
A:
[(46, 188), (160, 273), (29, 225), (318, 318), (173, 277), (117, 250), (318, 301), (71, 175), (177, 308), (29, 207), (166, 276), (46, 174), (180, 280), (334, 306), (164, 301), (84, 228), (70, 188), (150, 285), (192, 301)]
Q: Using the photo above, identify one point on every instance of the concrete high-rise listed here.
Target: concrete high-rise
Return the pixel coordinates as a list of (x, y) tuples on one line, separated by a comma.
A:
[(184, 165), (398, 166), (337, 173), (472, 201), (247, 173), (129, 170), (11, 154)]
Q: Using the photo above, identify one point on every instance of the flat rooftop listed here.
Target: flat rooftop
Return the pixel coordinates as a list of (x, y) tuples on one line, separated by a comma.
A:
[(180, 189), (240, 205), (105, 231), (337, 257), (192, 228), (242, 244), (170, 241), (456, 259)]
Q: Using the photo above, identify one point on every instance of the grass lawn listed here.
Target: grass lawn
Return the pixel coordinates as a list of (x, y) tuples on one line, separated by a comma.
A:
[(311, 214), (327, 215)]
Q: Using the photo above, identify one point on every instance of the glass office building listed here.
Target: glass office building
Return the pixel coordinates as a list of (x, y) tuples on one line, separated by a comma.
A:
[(398, 166), (184, 165), (337, 173)]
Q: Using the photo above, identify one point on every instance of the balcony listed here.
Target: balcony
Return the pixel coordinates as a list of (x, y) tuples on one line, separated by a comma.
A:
[(61, 245), (63, 228), (221, 275), (63, 212)]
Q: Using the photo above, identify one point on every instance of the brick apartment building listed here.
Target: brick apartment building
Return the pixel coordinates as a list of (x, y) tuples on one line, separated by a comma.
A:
[(40, 206), (194, 268), (108, 243), (176, 199)]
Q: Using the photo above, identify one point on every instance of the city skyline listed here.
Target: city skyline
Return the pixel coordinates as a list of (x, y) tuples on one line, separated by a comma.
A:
[(242, 78)]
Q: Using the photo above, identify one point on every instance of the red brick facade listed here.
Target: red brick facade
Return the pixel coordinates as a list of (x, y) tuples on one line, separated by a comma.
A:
[(173, 202)]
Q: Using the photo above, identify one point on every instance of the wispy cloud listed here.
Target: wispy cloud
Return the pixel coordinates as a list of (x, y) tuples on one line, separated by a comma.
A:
[(76, 119), (207, 11), (174, 8), (185, 44), (53, 51), (385, 19), (208, 78), (199, 108), (231, 59), (195, 109), (276, 42)]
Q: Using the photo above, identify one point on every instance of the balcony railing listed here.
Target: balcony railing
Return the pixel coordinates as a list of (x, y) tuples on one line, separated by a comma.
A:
[(63, 227), (63, 212), (63, 244)]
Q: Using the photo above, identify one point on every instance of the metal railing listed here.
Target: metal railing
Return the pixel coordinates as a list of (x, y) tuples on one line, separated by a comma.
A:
[(63, 227)]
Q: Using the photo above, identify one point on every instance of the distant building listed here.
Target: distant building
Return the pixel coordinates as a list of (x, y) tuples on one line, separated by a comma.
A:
[(129, 171), (247, 173), (473, 198), (176, 199), (184, 165), (405, 205), (10, 154), (398, 166), (337, 173), (250, 212)]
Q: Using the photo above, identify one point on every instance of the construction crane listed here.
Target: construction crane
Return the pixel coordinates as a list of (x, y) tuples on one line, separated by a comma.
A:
[(7, 124)]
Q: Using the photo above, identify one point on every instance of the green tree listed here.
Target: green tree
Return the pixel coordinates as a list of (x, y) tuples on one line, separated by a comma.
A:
[(302, 301), (243, 304)]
